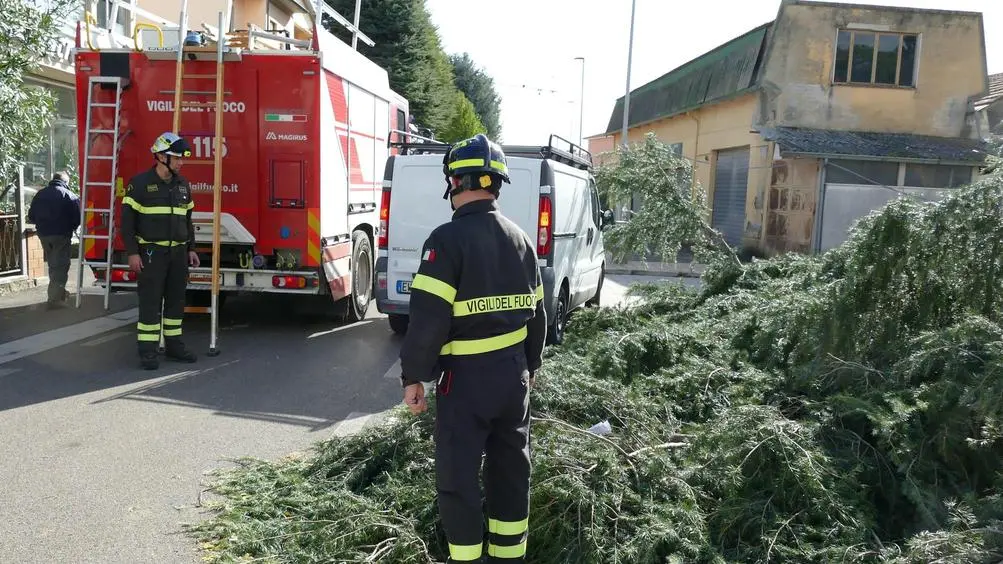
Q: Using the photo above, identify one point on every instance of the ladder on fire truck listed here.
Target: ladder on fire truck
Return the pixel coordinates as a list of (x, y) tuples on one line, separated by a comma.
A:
[(88, 209), (187, 54)]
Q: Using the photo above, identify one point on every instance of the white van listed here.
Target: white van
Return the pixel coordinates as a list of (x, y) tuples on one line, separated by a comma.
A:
[(552, 197)]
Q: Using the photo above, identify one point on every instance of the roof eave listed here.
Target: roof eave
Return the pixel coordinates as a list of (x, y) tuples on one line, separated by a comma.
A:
[(907, 160), (714, 102), (878, 7)]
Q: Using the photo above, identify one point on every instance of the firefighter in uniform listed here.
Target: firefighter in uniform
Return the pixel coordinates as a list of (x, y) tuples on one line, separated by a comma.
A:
[(160, 242), (477, 327)]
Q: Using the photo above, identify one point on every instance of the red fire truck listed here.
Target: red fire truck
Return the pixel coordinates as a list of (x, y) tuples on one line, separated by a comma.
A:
[(306, 125)]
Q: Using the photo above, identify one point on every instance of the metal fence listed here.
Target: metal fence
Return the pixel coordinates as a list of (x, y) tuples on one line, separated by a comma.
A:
[(11, 237), (10, 245)]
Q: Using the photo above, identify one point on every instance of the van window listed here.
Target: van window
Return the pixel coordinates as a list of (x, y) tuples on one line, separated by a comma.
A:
[(594, 192), (571, 203)]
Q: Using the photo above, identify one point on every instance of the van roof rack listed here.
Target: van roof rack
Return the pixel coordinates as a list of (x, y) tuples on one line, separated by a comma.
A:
[(572, 155), (567, 152)]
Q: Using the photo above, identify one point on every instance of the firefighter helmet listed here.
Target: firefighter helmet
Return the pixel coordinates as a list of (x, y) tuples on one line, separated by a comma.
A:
[(474, 164), (170, 144), (476, 155)]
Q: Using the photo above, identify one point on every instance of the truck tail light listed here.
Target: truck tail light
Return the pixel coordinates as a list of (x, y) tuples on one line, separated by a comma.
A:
[(384, 220), (545, 237), (117, 275), (289, 282), (122, 275)]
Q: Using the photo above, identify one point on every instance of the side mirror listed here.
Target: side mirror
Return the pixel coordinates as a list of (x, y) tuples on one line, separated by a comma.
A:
[(608, 220)]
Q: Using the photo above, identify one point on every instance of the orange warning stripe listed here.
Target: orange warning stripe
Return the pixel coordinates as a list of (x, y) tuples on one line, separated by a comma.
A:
[(313, 237), (89, 222)]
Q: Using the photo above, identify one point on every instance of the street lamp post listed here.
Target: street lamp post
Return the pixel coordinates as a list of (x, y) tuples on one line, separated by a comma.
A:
[(630, 56), (581, 103)]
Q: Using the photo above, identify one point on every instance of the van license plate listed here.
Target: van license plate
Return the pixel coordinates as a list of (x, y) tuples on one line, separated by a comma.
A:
[(403, 286)]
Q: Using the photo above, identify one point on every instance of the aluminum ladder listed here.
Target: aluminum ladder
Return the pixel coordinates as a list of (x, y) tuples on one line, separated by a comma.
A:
[(219, 54), (87, 206)]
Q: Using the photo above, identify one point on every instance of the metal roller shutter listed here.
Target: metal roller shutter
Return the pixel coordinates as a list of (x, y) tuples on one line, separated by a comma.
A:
[(731, 181)]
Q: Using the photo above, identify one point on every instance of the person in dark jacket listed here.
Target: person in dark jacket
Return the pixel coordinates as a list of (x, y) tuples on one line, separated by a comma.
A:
[(159, 240), (477, 325), (55, 211)]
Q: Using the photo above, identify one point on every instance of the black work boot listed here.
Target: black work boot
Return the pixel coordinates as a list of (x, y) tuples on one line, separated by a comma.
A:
[(176, 350), (148, 360)]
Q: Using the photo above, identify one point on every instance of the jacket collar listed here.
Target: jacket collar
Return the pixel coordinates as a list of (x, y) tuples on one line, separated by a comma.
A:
[(477, 206)]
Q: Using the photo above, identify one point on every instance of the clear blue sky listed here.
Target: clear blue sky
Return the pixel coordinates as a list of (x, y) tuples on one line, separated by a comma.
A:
[(529, 47)]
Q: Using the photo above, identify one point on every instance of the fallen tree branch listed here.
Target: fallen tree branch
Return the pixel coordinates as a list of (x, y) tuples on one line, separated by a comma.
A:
[(657, 447), (571, 427)]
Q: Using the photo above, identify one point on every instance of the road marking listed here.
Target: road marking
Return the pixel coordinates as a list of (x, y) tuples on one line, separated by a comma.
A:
[(395, 371), (355, 422), (56, 338), (106, 338), (342, 328)]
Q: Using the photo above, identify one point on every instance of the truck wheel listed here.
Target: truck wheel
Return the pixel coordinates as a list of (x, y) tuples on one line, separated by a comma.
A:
[(398, 323), (555, 333), (362, 277)]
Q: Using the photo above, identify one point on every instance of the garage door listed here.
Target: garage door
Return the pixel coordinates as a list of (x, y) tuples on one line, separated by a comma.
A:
[(731, 181)]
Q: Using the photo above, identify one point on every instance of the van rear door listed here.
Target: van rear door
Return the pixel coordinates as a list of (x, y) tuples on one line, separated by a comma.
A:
[(417, 208)]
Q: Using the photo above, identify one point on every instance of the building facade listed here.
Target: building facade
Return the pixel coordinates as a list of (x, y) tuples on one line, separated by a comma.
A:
[(804, 124)]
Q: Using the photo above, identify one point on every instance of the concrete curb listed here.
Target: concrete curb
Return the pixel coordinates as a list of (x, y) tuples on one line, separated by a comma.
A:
[(662, 269), (652, 273), (17, 284)]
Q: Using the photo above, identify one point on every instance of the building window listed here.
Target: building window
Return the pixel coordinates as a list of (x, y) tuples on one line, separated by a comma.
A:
[(862, 172), (58, 151), (123, 19), (891, 174), (864, 57), (937, 176)]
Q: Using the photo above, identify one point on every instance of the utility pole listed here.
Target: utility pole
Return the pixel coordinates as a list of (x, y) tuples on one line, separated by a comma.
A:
[(581, 103), (630, 56)]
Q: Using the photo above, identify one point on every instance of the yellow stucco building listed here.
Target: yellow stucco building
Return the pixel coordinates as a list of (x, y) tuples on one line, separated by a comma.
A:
[(806, 123)]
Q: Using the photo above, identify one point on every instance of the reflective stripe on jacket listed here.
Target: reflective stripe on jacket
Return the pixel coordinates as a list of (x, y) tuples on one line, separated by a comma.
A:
[(157, 212)]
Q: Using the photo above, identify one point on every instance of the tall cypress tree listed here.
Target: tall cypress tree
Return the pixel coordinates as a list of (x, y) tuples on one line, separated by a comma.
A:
[(479, 88)]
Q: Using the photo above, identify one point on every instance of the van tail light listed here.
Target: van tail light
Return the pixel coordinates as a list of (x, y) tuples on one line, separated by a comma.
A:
[(545, 223), (384, 220)]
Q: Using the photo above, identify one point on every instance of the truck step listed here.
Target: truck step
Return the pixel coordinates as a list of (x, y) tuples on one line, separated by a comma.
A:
[(198, 309)]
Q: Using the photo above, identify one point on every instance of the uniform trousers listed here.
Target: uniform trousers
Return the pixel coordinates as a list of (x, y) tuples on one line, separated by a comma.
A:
[(162, 284), (482, 408)]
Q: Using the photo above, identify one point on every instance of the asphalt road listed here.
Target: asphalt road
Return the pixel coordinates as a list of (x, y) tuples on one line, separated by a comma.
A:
[(103, 461)]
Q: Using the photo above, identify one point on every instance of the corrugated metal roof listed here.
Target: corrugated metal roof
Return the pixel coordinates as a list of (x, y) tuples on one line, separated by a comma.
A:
[(995, 92), (719, 74), (891, 146)]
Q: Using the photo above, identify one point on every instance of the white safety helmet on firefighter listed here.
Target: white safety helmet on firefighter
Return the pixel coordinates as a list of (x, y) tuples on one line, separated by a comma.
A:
[(171, 145)]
